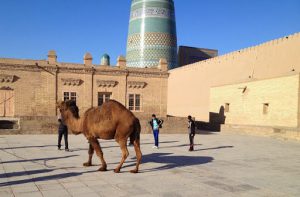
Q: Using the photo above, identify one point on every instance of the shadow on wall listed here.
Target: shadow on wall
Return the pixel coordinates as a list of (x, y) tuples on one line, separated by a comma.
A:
[(215, 121)]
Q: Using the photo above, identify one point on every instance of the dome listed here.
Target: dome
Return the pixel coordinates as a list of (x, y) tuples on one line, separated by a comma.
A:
[(105, 60)]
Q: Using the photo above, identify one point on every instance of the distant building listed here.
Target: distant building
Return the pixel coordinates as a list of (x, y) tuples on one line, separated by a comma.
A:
[(189, 55)]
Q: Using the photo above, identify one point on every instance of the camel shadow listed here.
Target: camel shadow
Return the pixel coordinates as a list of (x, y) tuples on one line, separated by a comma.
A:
[(170, 161)]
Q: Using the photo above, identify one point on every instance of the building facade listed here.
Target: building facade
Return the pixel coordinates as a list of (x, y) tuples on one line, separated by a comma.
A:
[(272, 102), (31, 88), (259, 86)]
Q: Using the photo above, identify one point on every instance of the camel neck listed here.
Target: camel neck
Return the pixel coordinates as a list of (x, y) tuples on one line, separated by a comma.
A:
[(74, 124)]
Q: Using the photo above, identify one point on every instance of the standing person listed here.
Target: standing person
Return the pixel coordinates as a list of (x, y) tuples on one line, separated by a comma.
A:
[(155, 124), (62, 131), (191, 130)]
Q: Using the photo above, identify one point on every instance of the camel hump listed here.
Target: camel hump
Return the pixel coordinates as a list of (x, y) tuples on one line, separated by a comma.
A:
[(111, 111), (114, 103), (117, 107)]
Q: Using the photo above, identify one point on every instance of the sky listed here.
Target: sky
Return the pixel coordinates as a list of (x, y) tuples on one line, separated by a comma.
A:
[(30, 28)]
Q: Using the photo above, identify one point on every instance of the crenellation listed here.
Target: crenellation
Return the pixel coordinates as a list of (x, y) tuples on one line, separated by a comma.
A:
[(252, 49)]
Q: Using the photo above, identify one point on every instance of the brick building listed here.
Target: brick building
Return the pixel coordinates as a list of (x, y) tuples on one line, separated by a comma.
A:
[(30, 89)]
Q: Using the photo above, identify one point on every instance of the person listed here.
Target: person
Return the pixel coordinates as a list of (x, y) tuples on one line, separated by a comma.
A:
[(155, 125), (62, 131), (191, 131)]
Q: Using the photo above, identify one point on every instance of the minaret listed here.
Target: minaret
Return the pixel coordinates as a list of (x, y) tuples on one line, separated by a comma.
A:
[(152, 34)]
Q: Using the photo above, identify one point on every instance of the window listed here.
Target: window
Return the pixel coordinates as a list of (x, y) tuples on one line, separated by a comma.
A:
[(103, 97), (265, 108), (226, 107), (70, 96), (134, 102)]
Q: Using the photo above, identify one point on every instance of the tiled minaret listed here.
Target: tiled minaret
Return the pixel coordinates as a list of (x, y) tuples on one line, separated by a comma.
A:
[(152, 33)]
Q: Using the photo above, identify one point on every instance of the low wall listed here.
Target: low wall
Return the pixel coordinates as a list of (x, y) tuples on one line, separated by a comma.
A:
[(33, 125), (275, 132), (49, 125)]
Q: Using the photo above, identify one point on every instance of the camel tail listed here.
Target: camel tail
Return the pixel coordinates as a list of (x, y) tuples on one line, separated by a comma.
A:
[(135, 135)]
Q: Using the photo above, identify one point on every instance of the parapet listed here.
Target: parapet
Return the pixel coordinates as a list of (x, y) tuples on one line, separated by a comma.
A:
[(238, 53), (163, 64), (121, 62), (52, 57), (87, 59)]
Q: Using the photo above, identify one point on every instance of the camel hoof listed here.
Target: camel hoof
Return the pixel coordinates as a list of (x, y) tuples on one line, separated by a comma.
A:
[(86, 164), (134, 171), (117, 170), (102, 169)]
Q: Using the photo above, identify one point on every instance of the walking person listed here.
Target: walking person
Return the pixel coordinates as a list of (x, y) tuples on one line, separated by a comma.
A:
[(62, 131), (191, 131), (155, 125)]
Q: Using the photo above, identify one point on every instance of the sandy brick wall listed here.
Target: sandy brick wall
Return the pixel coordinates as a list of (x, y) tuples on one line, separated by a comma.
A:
[(26, 88), (280, 94), (188, 86), (154, 95)]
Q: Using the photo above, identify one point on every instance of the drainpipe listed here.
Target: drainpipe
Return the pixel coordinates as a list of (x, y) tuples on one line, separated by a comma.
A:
[(126, 82)]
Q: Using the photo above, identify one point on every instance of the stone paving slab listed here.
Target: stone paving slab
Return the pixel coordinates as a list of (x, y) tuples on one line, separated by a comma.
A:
[(223, 164)]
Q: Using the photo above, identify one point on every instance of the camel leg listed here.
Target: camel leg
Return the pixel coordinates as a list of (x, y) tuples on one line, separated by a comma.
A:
[(94, 142), (125, 154), (138, 155), (91, 152)]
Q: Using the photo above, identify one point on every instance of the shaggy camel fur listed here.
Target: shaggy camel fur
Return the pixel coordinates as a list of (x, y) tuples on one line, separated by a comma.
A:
[(110, 121)]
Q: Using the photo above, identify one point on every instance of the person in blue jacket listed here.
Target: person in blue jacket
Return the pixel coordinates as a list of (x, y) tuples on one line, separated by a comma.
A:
[(156, 124)]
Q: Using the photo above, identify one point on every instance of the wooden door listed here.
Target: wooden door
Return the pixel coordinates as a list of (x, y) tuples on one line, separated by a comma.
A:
[(7, 103)]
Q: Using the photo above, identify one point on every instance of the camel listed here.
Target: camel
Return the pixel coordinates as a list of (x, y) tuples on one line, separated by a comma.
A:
[(109, 121)]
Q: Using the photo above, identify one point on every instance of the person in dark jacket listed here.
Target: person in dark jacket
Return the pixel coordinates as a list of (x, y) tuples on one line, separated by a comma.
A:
[(62, 131), (191, 131), (155, 125)]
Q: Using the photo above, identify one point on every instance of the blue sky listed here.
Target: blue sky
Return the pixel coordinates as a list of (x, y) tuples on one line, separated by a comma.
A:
[(30, 28)]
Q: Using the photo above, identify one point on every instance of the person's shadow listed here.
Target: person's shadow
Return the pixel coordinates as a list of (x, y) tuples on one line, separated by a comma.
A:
[(170, 161)]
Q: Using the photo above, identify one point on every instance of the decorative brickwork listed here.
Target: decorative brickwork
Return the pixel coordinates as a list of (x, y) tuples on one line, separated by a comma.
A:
[(6, 78), (106, 83), (136, 84), (71, 82)]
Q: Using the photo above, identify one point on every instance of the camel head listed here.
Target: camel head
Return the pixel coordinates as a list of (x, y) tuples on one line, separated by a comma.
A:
[(68, 106), (69, 112)]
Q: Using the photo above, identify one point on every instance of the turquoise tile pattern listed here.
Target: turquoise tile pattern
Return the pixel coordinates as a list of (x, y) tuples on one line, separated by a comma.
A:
[(152, 33)]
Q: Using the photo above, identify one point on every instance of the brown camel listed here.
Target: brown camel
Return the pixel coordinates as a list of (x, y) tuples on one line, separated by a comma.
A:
[(110, 121)]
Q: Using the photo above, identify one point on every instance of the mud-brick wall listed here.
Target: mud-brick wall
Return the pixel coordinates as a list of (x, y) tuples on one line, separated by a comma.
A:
[(49, 125)]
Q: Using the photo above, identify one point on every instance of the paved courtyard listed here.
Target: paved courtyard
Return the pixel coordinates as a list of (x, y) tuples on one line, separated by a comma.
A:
[(223, 164)]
